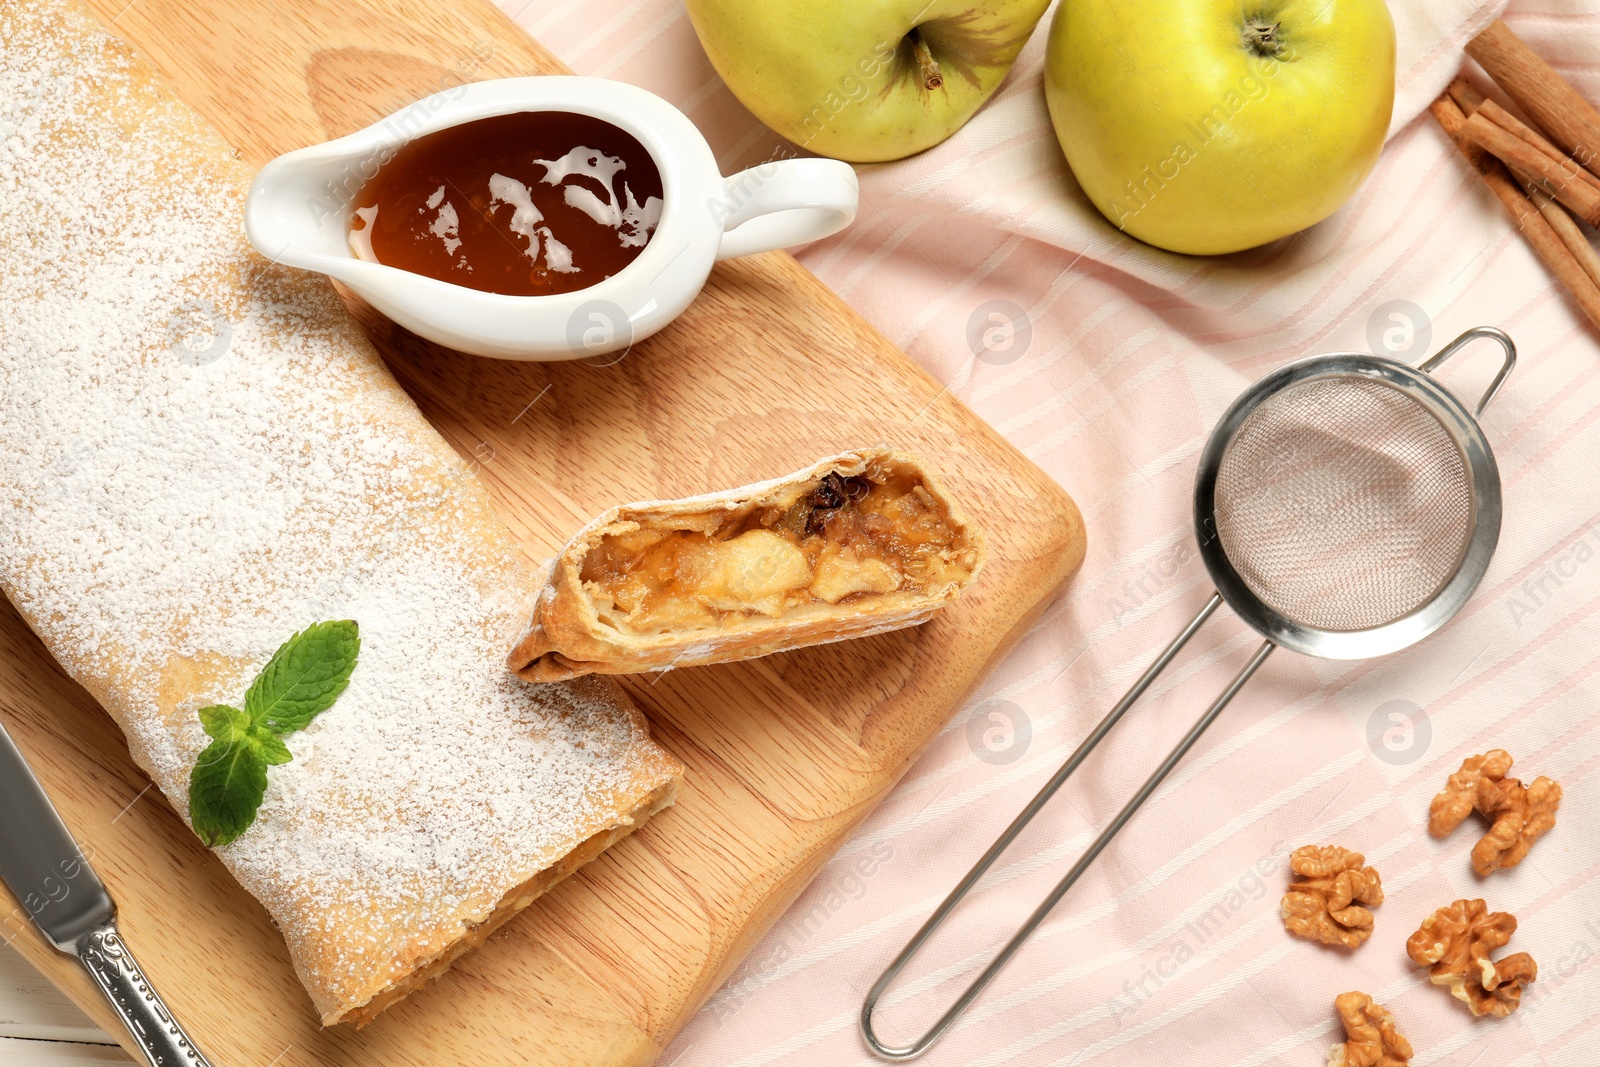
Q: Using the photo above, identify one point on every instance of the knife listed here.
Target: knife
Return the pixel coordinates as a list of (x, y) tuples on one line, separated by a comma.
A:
[(50, 877)]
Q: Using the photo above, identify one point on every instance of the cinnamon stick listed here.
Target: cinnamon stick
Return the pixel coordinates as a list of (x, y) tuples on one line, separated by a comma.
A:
[(1473, 102), (1566, 229), (1526, 158), (1466, 95), (1570, 120), (1546, 243)]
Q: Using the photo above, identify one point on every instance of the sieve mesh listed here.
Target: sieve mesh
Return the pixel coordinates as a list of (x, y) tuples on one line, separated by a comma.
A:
[(1343, 503)]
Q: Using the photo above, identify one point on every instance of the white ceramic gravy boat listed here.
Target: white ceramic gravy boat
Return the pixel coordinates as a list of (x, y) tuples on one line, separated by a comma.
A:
[(299, 210)]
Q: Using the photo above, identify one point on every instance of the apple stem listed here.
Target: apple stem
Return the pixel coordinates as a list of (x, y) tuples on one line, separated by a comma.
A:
[(1262, 37), (932, 76)]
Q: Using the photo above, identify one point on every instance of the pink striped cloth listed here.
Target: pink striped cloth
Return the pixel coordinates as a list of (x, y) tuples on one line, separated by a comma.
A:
[(1171, 949)]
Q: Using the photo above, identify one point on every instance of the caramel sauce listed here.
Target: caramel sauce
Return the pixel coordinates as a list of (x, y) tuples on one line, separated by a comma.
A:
[(528, 204), (685, 579)]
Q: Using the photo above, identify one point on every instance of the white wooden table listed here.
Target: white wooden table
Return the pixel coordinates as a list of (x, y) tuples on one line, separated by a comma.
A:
[(40, 1028)]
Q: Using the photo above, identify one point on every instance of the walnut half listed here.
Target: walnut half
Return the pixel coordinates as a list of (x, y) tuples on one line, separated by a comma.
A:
[(1371, 1039), (1519, 815), (1324, 904), (1455, 942)]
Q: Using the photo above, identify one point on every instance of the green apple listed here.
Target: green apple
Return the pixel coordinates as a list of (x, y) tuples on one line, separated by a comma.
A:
[(1209, 126), (864, 80)]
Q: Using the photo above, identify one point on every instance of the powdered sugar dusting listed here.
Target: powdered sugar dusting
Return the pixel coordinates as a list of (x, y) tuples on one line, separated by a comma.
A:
[(166, 522)]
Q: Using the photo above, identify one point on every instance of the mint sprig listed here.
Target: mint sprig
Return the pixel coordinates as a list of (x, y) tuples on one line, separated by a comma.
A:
[(304, 677), (301, 681)]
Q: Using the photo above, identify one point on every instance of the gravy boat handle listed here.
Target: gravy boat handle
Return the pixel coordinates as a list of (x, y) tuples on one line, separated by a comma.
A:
[(783, 203)]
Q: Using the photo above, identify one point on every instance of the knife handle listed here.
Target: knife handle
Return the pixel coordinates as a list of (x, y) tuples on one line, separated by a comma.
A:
[(105, 956)]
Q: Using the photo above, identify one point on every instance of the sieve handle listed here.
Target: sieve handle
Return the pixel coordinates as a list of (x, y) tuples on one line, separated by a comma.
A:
[(1474, 334), (923, 1043)]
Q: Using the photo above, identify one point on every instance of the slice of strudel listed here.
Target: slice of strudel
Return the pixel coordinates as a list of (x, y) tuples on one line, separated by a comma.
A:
[(859, 543)]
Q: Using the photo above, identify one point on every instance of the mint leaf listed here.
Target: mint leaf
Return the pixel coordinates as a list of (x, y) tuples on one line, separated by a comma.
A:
[(225, 789), (270, 747), (230, 777), (223, 722), (304, 677)]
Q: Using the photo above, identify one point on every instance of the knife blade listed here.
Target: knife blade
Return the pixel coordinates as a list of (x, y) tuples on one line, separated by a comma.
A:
[(52, 879), (40, 862)]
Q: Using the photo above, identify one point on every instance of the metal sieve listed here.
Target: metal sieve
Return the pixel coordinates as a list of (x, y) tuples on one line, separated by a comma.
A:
[(1346, 506)]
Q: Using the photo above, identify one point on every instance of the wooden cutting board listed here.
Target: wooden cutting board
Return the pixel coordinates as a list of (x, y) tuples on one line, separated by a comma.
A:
[(766, 371)]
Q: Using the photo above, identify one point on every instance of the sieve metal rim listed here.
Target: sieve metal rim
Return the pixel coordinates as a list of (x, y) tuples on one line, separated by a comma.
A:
[(1483, 476)]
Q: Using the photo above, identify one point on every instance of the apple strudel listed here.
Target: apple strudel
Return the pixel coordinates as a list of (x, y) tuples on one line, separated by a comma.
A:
[(200, 456)]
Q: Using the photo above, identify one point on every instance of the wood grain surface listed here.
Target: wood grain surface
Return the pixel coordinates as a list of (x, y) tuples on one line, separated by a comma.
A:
[(767, 371)]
